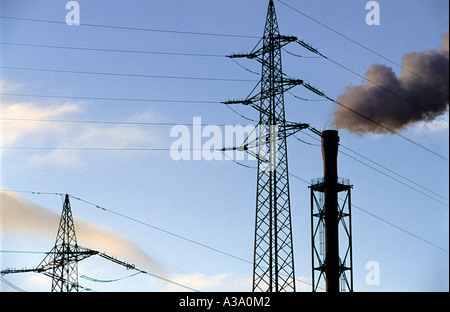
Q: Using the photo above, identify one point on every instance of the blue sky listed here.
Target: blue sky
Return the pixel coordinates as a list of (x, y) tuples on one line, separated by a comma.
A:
[(403, 226)]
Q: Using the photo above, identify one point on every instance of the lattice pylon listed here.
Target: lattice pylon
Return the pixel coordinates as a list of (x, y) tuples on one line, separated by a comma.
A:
[(61, 263), (273, 253)]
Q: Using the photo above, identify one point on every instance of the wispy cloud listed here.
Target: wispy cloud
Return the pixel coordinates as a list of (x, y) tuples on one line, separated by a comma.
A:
[(9, 87), (19, 215), (224, 282), (42, 129), (16, 131)]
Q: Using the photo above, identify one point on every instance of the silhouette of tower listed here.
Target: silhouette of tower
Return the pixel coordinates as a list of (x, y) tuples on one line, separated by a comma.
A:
[(61, 263), (273, 267), (273, 255)]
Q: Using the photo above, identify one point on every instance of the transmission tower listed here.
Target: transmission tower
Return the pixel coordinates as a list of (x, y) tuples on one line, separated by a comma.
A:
[(64, 257), (61, 263), (273, 269)]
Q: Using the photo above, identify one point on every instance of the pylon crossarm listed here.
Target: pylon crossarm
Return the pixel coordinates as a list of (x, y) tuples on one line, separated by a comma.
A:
[(73, 253), (308, 47), (315, 131), (115, 260), (284, 84), (290, 128), (11, 271), (257, 53)]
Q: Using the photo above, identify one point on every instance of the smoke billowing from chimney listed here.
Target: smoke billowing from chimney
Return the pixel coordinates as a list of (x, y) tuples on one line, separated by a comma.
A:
[(392, 111)]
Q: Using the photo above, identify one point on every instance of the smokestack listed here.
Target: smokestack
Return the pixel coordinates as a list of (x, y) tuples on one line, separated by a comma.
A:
[(331, 250), (330, 142)]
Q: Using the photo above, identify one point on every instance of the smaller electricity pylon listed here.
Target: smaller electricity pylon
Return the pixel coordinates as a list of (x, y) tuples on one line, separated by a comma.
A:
[(61, 263)]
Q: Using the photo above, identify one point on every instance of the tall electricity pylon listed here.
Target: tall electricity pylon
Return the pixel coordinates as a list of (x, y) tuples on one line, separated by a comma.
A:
[(273, 269)]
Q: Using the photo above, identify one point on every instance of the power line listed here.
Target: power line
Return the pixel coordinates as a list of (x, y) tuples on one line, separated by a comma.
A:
[(198, 78), (225, 35), (108, 98), (384, 88), (11, 284), (194, 54), (387, 175), (167, 280), (368, 213), (159, 229), (140, 222), (380, 86), (353, 72), (191, 124), (365, 211), (110, 280), (361, 45), (171, 77), (165, 149), (128, 149), (112, 50), (392, 131), (201, 244), (183, 32), (400, 229), (124, 74), (401, 182), (366, 158), (255, 73), (309, 87), (132, 275), (397, 174), (103, 122), (134, 28), (25, 251), (225, 79), (139, 271), (361, 115), (174, 77)]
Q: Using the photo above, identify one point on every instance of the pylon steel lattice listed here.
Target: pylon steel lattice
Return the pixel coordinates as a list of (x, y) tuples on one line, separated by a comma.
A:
[(64, 256), (273, 269), (273, 255), (61, 263)]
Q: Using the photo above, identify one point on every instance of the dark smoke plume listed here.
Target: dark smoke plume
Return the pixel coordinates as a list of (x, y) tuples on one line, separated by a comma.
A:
[(424, 100)]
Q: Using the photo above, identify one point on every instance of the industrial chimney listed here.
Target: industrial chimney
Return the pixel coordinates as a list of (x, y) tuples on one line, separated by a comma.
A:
[(331, 223), (330, 142)]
